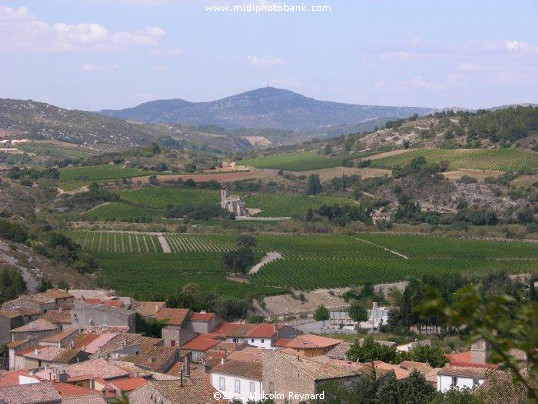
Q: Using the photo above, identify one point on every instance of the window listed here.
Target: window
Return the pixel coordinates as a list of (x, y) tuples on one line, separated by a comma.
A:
[(263, 340), (222, 383), (252, 340), (252, 388), (237, 388), (454, 381), (235, 340), (172, 343), (476, 382)]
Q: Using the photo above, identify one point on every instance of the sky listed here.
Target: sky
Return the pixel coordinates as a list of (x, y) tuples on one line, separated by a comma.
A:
[(97, 54)]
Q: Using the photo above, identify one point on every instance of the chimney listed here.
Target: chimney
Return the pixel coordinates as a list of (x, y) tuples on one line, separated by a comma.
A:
[(36, 351), (62, 376), (374, 306), (222, 361), (479, 351), (188, 360)]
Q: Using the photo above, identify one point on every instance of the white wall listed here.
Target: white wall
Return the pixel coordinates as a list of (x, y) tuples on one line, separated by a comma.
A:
[(256, 342), (444, 383), (229, 386)]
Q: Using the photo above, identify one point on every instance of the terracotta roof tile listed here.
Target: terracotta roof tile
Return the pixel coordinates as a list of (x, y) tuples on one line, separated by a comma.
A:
[(58, 316), (310, 341), (56, 294), (92, 368), (423, 368), (249, 354), (248, 370), (37, 325), (29, 394), (264, 330), (46, 353), (98, 342), (11, 378), (241, 331), (199, 316), (88, 399), (60, 336), (339, 351), (128, 384), (315, 369), (70, 390), (153, 358), (281, 342), (200, 343), (223, 330), (146, 308), (474, 372), (173, 316), (175, 393), (399, 372)]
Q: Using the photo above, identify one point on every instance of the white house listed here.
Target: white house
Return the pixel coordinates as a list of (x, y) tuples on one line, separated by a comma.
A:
[(461, 377), (238, 379), (260, 335)]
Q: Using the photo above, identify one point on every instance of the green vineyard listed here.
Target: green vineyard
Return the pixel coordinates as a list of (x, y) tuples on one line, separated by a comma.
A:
[(136, 261), (293, 162), (478, 159)]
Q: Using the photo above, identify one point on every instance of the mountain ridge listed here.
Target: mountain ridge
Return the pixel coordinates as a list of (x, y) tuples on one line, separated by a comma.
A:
[(265, 107)]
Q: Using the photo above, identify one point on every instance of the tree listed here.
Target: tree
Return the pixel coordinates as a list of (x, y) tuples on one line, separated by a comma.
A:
[(11, 283), (239, 261), (370, 350), (358, 312), (246, 241), (44, 285), (430, 355), (322, 314), (498, 320), (314, 185), (231, 308)]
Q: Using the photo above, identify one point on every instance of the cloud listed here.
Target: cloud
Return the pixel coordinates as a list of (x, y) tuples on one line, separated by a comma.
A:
[(519, 46), (90, 67), (268, 60), (162, 69), (168, 51), (28, 34)]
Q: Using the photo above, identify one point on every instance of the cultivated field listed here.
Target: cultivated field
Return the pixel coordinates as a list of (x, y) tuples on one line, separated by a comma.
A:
[(309, 261), (121, 212), (498, 159), (289, 205), (293, 161), (100, 172), (163, 197)]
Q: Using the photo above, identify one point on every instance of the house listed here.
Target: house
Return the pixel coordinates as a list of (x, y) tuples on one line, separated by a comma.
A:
[(198, 346), (260, 335), (61, 339), (461, 377), (232, 204), (61, 298), (10, 320), (36, 329), (377, 316), (123, 344), (87, 315), (238, 379), (174, 392), (74, 394), (175, 332), (46, 356), (30, 305), (284, 371), (312, 345), (156, 358), (203, 322), (61, 318), (379, 215), (35, 393)]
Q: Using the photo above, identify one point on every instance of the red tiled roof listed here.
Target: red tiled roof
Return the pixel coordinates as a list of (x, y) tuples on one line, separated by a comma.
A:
[(398, 371), (129, 383), (32, 393), (173, 316), (264, 330), (89, 369), (241, 331), (474, 372), (198, 316), (56, 294), (310, 341), (71, 390), (223, 330), (281, 342), (146, 308), (175, 369), (463, 359), (200, 343), (11, 378)]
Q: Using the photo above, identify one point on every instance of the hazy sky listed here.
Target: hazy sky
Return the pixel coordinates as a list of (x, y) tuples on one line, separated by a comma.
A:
[(94, 54)]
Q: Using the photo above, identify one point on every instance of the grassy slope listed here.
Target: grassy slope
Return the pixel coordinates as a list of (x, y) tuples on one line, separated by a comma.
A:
[(101, 172)]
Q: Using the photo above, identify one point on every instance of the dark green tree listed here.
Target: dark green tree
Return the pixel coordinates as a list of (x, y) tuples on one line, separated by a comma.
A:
[(314, 185), (321, 314)]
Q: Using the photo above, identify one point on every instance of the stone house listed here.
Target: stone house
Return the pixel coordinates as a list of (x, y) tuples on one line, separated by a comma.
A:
[(233, 204), (310, 345), (239, 379), (203, 322), (61, 318), (285, 371), (175, 332), (36, 329), (13, 319), (174, 392)]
